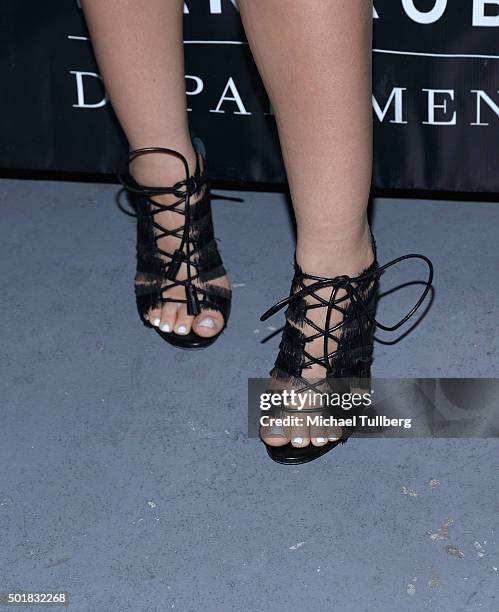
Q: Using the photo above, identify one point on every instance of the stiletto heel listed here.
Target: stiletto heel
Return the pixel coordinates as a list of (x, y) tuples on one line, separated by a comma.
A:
[(353, 336), (157, 269)]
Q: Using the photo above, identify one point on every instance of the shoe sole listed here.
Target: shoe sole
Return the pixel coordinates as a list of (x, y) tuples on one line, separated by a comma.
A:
[(191, 341), (290, 455)]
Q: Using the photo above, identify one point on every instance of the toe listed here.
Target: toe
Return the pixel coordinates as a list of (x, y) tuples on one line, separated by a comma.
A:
[(154, 317), (208, 323), (334, 433), (183, 324), (168, 317), (274, 435), (318, 435), (300, 436)]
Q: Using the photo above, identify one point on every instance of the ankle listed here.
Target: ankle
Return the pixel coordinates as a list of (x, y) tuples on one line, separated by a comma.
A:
[(161, 169), (350, 255)]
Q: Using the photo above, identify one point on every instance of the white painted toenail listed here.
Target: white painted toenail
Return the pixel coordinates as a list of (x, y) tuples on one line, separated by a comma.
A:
[(320, 440), (298, 440), (332, 439), (207, 323), (182, 329), (156, 322), (165, 327), (146, 317)]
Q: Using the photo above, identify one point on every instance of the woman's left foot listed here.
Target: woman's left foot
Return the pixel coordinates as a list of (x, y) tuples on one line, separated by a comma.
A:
[(327, 342), (309, 356)]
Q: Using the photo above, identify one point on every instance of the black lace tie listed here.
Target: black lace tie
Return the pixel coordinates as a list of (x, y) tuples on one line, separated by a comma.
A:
[(183, 190), (348, 284)]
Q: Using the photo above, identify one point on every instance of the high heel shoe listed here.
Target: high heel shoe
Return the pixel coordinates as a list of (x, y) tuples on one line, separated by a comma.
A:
[(353, 337), (157, 269)]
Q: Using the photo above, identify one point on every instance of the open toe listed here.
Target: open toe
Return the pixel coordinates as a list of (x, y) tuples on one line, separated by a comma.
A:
[(275, 435), (168, 317), (208, 323), (183, 323)]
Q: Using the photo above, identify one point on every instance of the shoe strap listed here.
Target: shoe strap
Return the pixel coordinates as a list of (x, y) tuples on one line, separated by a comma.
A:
[(183, 190), (350, 285), (189, 186)]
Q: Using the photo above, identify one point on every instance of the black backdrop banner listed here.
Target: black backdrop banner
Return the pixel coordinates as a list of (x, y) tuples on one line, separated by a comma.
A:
[(435, 94)]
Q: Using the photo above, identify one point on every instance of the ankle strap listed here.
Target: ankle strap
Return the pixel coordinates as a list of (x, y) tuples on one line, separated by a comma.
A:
[(181, 189)]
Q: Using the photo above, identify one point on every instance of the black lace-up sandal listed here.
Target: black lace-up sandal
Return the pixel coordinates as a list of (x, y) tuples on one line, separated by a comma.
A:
[(157, 269), (353, 338)]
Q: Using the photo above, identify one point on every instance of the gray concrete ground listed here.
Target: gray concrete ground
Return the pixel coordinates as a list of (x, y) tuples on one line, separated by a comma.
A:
[(127, 479)]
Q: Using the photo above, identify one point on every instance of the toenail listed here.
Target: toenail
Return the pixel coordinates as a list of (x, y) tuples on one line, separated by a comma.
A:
[(332, 439), (275, 431), (156, 322), (320, 440), (146, 317), (165, 327), (207, 323), (298, 440), (181, 329)]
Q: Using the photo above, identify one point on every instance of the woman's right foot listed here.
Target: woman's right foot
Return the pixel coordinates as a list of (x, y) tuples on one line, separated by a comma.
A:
[(177, 258), (172, 316)]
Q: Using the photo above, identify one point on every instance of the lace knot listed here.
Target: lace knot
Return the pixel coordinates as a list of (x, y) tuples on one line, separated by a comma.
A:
[(341, 281), (191, 185)]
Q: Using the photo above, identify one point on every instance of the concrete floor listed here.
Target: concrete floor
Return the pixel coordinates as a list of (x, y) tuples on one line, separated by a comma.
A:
[(127, 477)]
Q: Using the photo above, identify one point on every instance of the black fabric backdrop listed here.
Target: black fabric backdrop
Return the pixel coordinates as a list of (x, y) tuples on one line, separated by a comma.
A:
[(435, 98)]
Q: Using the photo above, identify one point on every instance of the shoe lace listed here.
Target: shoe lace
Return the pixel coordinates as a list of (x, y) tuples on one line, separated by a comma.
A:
[(182, 190), (349, 284)]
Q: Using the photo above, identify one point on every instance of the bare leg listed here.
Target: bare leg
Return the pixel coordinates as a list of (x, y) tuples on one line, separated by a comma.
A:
[(139, 49), (315, 61)]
